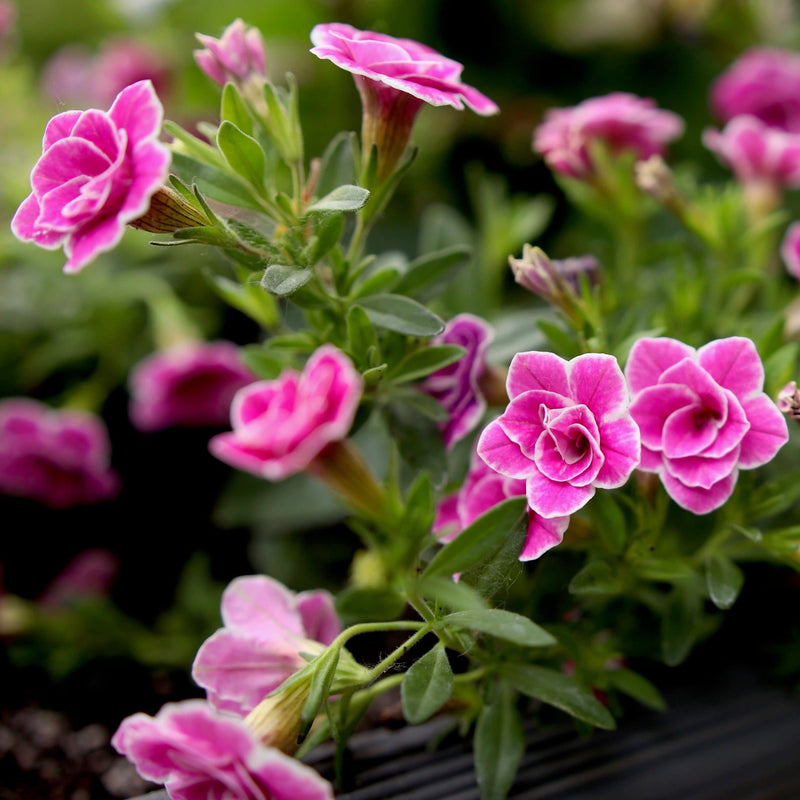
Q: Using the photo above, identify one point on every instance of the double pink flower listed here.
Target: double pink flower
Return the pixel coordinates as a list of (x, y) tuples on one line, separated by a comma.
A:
[(566, 432), (703, 416), (97, 173)]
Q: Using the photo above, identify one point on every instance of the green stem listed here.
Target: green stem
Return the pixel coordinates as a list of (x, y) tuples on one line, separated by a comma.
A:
[(399, 652)]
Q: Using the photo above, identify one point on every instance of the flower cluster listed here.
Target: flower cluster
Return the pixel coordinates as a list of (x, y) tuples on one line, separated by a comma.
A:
[(460, 445)]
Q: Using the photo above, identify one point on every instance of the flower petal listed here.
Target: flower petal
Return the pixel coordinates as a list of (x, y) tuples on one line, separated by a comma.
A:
[(734, 364), (537, 370), (649, 358)]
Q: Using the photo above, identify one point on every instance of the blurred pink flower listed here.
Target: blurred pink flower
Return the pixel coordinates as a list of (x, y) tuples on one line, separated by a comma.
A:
[(790, 250), (201, 755), (483, 488), (90, 573), (190, 384), (757, 153), (394, 78), (703, 416), (236, 56), (75, 76), (456, 387), (97, 172), (59, 458), (266, 628), (762, 82), (8, 23), (566, 432), (281, 426), (622, 121)]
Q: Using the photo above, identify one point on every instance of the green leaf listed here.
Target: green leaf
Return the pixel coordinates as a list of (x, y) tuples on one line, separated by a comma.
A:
[(418, 440), (324, 672), (559, 690), (422, 362), (189, 146), (216, 182), (234, 109), (380, 280), (427, 685), (774, 497), (680, 624), (634, 685), (444, 591), (419, 401), (723, 579), (243, 153), (327, 234), (664, 569), (337, 165), (402, 314), (360, 333), (282, 280), (432, 268), (342, 198), (780, 368), (597, 578), (261, 361), (608, 521), (374, 604), (205, 235), (499, 744), (479, 540), (504, 625)]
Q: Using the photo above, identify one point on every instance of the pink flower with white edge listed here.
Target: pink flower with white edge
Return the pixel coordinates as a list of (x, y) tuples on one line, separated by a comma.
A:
[(266, 628), (566, 432), (237, 55), (756, 152), (394, 78), (58, 458), (622, 121), (703, 416), (790, 250), (482, 490), (281, 426), (456, 386), (97, 173), (187, 385), (198, 754), (762, 82)]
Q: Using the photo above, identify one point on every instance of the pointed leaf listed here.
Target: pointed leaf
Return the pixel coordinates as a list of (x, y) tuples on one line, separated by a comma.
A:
[(282, 280), (324, 666), (499, 745), (243, 153), (342, 198), (559, 690), (422, 362), (427, 685), (634, 685), (724, 580), (402, 314), (504, 625)]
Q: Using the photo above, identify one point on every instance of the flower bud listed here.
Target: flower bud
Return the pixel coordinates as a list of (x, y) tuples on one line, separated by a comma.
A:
[(168, 213)]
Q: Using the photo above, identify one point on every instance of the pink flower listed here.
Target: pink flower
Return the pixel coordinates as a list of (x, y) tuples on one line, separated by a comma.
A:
[(191, 384), (623, 122), (97, 172), (200, 755), (75, 76), (703, 416), (483, 488), (394, 78), (790, 250), (237, 55), (90, 573), (756, 152), (566, 432), (456, 387), (762, 82), (266, 628), (59, 458), (281, 426), (8, 22)]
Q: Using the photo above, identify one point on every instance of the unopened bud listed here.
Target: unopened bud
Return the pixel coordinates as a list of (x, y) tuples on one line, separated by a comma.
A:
[(655, 178), (168, 213)]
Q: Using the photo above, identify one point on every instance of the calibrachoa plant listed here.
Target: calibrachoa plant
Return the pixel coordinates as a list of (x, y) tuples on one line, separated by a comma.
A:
[(638, 450)]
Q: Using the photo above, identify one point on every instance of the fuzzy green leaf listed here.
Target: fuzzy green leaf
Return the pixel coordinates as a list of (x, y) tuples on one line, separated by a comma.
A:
[(502, 624), (427, 685), (402, 314)]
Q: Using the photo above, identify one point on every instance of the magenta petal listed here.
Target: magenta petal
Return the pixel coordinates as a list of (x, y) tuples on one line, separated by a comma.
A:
[(688, 432), (501, 453), (622, 450), (87, 243), (262, 606), (768, 432), (697, 471), (596, 381), (24, 226), (552, 499), (537, 370), (734, 364), (59, 127), (318, 615), (653, 405), (137, 110), (696, 499), (650, 358), (543, 534)]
